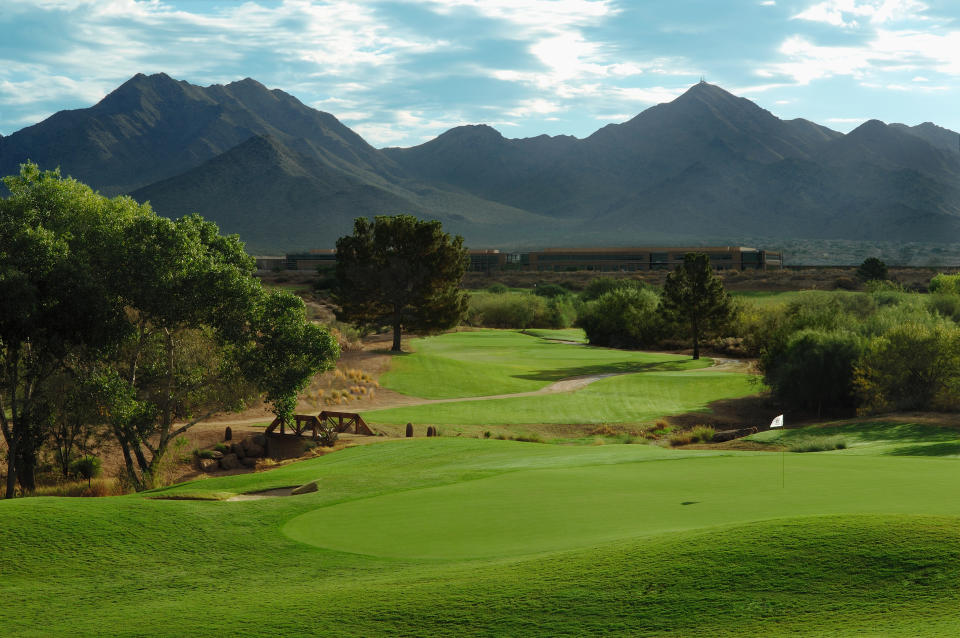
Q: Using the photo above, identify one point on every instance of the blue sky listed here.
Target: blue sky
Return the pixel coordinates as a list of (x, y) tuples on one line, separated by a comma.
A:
[(402, 72)]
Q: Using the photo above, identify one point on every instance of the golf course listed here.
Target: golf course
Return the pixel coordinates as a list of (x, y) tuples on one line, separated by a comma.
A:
[(463, 535)]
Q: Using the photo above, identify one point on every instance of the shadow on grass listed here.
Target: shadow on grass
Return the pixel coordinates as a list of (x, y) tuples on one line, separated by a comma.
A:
[(935, 449), (622, 367), (896, 431)]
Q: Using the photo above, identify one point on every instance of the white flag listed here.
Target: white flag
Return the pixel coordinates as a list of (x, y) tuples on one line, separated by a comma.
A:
[(777, 422)]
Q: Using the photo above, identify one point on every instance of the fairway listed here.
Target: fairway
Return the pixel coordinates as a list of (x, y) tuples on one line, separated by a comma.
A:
[(492, 363), (551, 510), (629, 398)]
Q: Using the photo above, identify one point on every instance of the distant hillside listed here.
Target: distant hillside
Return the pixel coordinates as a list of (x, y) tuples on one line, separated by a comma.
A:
[(708, 166)]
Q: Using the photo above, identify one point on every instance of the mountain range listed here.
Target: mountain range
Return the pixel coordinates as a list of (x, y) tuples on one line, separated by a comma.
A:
[(708, 166)]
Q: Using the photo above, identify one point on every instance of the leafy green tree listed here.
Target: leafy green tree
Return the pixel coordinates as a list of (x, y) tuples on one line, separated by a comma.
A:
[(914, 366), (286, 351), (695, 297), (814, 369), (403, 272), (58, 242), (625, 317), (872, 269)]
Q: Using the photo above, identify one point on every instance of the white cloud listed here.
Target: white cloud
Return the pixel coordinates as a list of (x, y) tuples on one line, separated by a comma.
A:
[(768, 3), (849, 13), (888, 51)]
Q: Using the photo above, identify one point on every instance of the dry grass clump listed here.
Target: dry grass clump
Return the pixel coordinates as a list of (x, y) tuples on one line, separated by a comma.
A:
[(107, 486), (340, 387)]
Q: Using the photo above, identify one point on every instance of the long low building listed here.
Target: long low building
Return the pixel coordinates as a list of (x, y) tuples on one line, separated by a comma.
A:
[(569, 259), (623, 259)]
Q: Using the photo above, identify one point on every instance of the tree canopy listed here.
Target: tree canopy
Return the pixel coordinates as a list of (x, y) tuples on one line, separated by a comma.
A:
[(694, 295), (403, 272), (158, 323)]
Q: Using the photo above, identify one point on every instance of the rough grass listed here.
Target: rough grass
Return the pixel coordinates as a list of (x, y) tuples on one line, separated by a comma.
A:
[(870, 437), (622, 540)]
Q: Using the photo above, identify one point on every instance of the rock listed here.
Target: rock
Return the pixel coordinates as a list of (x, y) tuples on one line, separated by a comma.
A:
[(306, 488), (229, 462), (252, 448), (236, 448), (209, 465), (260, 439), (217, 454), (248, 461)]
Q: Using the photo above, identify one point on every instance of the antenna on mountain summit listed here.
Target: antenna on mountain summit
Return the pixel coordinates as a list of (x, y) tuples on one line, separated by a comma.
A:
[(702, 81)]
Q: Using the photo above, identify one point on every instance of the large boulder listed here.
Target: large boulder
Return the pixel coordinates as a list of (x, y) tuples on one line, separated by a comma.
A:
[(236, 448), (229, 462), (209, 465), (248, 461), (251, 447)]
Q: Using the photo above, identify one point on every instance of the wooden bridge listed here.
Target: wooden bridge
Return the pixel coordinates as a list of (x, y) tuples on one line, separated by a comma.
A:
[(339, 421)]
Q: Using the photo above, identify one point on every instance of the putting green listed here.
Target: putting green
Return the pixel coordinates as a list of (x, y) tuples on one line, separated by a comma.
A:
[(529, 512)]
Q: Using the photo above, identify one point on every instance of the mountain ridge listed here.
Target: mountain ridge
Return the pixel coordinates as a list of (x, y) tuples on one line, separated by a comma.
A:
[(707, 164)]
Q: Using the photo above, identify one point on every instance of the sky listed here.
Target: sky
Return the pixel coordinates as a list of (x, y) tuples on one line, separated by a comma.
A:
[(402, 72)]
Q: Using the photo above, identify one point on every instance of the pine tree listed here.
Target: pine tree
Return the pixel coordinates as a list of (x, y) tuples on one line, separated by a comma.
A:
[(693, 295)]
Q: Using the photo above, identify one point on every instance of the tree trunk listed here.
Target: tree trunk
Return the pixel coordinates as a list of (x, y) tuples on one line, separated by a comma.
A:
[(26, 469), (11, 466), (396, 336), (696, 340)]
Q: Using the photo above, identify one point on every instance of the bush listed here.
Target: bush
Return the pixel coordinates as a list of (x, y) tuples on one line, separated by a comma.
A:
[(602, 285), (818, 444), (521, 311), (945, 284), (681, 438), (814, 369), (223, 448), (914, 366), (550, 291), (497, 289), (204, 454), (623, 318), (702, 433), (86, 467)]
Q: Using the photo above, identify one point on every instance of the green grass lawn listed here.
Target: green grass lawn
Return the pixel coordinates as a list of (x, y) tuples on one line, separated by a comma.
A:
[(632, 398), (468, 537), (492, 362)]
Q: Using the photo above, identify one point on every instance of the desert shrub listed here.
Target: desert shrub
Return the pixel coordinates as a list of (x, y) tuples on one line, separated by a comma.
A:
[(550, 291), (602, 285), (945, 284), (497, 289), (603, 430), (529, 438), (914, 366), (623, 318), (945, 305), (818, 444), (327, 436), (204, 454), (814, 369), (222, 447), (702, 433), (521, 311), (845, 283), (504, 311), (86, 467)]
